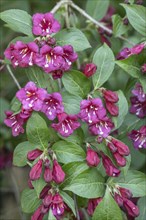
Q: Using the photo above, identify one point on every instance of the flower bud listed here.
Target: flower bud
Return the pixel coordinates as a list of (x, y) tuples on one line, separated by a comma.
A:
[(126, 193), (110, 96), (110, 169), (137, 49), (47, 175), (112, 147), (89, 69), (131, 208), (121, 161), (118, 199), (112, 108), (92, 158), (44, 191), (92, 204), (30, 184), (58, 207), (44, 209), (32, 155), (58, 174), (47, 200), (121, 147), (37, 215), (36, 170)]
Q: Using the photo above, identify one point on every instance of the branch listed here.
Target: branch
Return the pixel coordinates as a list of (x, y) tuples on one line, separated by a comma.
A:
[(12, 75)]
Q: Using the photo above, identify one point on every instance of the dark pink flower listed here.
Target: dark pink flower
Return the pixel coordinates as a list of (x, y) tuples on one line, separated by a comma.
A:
[(91, 110), (58, 206), (31, 96), (36, 170), (25, 114), (38, 215), (138, 137), (45, 24), (143, 68), (15, 122), (52, 105), (126, 193), (32, 155), (67, 124), (30, 184), (48, 199), (137, 49), (50, 59), (22, 54), (112, 108), (44, 191), (92, 204), (110, 96), (125, 53), (122, 148), (120, 160), (57, 74), (89, 69), (92, 157), (131, 208), (57, 173), (137, 107), (118, 199), (110, 168), (48, 175), (69, 57), (102, 127), (138, 92)]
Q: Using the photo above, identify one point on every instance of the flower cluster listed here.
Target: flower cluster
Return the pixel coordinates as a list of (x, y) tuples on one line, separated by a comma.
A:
[(43, 52), (138, 137), (138, 101), (127, 52)]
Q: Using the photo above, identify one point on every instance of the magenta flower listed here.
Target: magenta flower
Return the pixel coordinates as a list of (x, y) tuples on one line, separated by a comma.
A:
[(125, 193), (32, 155), (112, 108), (31, 97), (44, 24), (57, 173), (15, 122), (67, 124), (36, 171), (91, 110), (92, 204), (47, 199), (131, 208), (47, 175), (102, 127), (50, 59), (92, 157), (52, 105), (120, 160), (138, 92), (58, 206), (137, 49), (143, 68), (110, 168), (110, 96), (137, 107), (125, 53), (89, 69), (121, 148), (44, 191), (138, 137), (22, 54), (69, 57), (38, 215)]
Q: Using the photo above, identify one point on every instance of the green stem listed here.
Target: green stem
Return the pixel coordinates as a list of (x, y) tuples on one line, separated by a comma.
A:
[(13, 77)]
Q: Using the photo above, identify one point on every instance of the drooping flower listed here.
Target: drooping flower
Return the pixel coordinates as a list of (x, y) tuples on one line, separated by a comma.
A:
[(45, 24), (31, 96), (110, 168), (15, 122), (58, 206), (138, 137), (47, 174), (32, 155), (52, 105), (112, 108), (89, 69), (67, 124), (92, 204), (58, 174), (131, 208), (91, 110), (22, 54), (120, 160), (102, 127), (92, 157), (36, 170), (121, 148), (110, 96), (125, 193)]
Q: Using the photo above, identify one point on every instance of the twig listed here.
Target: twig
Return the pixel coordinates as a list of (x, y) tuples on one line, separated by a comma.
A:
[(58, 5), (76, 208), (12, 75)]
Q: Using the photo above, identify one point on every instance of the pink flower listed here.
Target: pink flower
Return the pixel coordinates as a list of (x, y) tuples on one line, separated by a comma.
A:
[(37, 215), (110, 96), (138, 137), (69, 57), (122, 148), (47, 174), (143, 68), (15, 122), (137, 107), (121, 161), (138, 92), (44, 191), (67, 124), (125, 53), (118, 199), (32, 155), (91, 110), (92, 204), (131, 208), (52, 105), (110, 169), (36, 170), (89, 69), (92, 158), (44, 24), (126, 193), (31, 97), (112, 108), (137, 49), (58, 207), (48, 199), (57, 173)]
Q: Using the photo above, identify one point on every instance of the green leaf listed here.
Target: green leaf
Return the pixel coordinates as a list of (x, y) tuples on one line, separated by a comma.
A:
[(68, 200), (72, 170), (29, 201), (118, 27), (23, 39), (68, 152), (142, 207), (135, 181), (4, 106), (51, 216), (89, 184), (97, 9), (126, 168), (137, 17), (104, 59), (122, 111), (73, 37), (107, 209), (71, 103), (20, 153), (38, 185), (18, 20), (37, 130), (15, 105), (76, 83)]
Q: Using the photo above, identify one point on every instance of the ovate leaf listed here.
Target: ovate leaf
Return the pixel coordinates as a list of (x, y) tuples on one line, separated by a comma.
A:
[(18, 20), (37, 130), (39, 185), (142, 208), (118, 27), (89, 184), (72, 37), (68, 200), (68, 152), (107, 209), (104, 59)]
